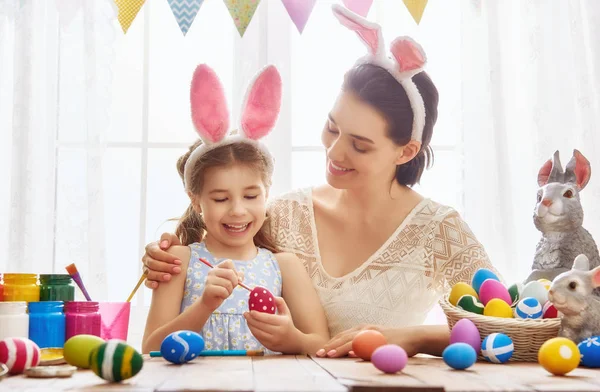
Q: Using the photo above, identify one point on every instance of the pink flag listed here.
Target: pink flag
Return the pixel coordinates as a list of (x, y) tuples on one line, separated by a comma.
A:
[(360, 7), (299, 11)]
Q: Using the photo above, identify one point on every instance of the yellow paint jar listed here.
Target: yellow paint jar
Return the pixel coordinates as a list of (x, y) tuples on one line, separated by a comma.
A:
[(21, 287)]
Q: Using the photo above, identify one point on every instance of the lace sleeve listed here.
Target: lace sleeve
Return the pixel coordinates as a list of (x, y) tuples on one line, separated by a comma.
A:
[(458, 254)]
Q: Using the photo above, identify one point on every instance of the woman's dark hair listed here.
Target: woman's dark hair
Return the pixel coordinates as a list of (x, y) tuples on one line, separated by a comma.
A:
[(376, 87)]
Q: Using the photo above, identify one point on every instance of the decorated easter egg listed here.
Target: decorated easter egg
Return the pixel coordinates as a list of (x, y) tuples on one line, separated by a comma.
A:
[(497, 348), (459, 356), (470, 303), (491, 289), (498, 308), (559, 356), (115, 361), (182, 346), (77, 349), (458, 290), (546, 283), (481, 276), (389, 358), (464, 331), (536, 290), (528, 308), (261, 300), (515, 292), (549, 311), (19, 354), (366, 342), (590, 352)]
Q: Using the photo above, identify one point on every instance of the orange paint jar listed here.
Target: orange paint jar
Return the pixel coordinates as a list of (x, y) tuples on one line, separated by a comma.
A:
[(21, 287)]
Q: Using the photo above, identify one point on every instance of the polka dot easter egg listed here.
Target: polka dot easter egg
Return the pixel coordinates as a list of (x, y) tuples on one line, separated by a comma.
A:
[(470, 304), (491, 289), (481, 276), (459, 356), (590, 352), (261, 300), (559, 356), (528, 308), (115, 361), (182, 346), (389, 358), (458, 290), (497, 348), (19, 354)]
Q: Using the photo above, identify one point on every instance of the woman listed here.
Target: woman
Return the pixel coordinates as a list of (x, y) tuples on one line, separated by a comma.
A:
[(379, 254)]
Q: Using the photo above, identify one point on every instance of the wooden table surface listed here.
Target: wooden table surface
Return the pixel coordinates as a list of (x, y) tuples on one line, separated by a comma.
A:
[(302, 373)]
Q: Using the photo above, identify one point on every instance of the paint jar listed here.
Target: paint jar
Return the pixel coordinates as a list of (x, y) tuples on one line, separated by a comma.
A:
[(82, 318), (1, 289), (57, 287), (21, 287), (14, 321), (47, 323)]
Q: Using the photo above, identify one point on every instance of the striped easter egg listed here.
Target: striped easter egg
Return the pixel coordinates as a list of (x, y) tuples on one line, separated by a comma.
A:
[(528, 308), (19, 354), (182, 346), (497, 348), (115, 361)]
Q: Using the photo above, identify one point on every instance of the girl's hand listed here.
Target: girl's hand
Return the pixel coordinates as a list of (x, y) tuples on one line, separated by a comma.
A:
[(160, 264), (219, 284), (275, 331), (341, 344)]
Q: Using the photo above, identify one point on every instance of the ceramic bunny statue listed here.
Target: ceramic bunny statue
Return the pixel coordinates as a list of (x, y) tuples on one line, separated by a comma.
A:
[(571, 294), (559, 216)]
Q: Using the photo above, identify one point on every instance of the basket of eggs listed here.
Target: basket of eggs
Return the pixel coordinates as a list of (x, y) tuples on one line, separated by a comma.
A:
[(522, 312)]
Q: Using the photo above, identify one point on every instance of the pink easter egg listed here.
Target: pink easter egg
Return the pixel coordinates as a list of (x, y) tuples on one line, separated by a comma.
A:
[(389, 358), (19, 354), (261, 300), (465, 331), (549, 311), (491, 289)]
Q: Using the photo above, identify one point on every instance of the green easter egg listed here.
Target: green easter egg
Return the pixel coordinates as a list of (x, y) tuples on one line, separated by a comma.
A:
[(116, 361), (78, 348), (470, 304), (515, 292)]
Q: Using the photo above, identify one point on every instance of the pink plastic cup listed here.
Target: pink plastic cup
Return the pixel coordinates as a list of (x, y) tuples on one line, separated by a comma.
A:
[(115, 320)]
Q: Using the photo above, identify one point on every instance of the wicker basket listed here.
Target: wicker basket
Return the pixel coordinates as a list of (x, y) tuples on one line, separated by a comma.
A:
[(527, 335)]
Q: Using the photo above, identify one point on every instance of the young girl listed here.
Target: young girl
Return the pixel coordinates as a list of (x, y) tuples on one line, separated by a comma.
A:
[(227, 179)]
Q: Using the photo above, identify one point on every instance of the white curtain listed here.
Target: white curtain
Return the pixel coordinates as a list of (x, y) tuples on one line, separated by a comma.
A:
[(530, 86), (55, 59)]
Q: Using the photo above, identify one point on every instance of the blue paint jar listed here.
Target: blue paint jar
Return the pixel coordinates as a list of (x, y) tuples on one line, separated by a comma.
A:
[(47, 323)]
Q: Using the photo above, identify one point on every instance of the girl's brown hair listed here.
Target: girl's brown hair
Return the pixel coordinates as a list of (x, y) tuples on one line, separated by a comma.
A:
[(191, 227)]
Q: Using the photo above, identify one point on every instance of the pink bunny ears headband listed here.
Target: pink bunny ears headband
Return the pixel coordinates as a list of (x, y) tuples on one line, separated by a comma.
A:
[(408, 60), (210, 115)]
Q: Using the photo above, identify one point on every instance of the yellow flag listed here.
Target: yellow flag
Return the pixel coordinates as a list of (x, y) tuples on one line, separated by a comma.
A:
[(416, 8), (128, 10), (242, 12)]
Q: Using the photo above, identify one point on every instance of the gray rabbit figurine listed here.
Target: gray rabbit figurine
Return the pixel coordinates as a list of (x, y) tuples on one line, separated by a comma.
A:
[(571, 294), (559, 216)]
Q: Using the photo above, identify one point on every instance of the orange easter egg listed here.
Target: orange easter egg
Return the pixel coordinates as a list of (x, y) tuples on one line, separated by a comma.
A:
[(365, 342)]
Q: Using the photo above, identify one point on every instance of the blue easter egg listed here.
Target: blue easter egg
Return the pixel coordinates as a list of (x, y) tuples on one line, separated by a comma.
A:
[(459, 356), (590, 352), (497, 348), (182, 346), (529, 308), (481, 276)]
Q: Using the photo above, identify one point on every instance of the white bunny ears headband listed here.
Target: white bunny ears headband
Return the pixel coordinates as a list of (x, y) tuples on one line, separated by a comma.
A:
[(408, 60), (210, 115)]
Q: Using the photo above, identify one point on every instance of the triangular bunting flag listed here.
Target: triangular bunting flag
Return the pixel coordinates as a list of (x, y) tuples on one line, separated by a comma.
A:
[(185, 12), (299, 11), (416, 8), (242, 12), (360, 7), (128, 10)]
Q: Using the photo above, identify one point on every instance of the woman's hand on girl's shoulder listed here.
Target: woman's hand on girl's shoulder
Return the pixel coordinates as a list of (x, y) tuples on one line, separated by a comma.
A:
[(161, 263)]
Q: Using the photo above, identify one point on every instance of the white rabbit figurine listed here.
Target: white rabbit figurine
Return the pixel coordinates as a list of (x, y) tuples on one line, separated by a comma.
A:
[(571, 294), (559, 216)]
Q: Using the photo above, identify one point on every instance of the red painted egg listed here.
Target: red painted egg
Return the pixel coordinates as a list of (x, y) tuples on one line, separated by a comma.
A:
[(262, 300), (549, 311), (19, 354)]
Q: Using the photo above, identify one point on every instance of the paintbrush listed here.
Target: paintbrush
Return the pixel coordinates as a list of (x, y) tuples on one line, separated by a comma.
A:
[(220, 353), (210, 265), (137, 286), (72, 270)]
